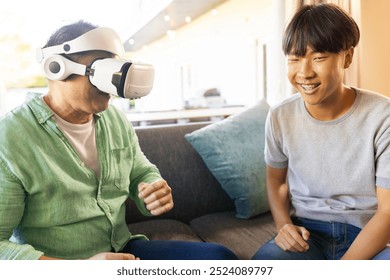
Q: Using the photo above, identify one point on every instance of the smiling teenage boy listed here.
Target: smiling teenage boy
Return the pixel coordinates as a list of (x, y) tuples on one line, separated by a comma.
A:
[(327, 149)]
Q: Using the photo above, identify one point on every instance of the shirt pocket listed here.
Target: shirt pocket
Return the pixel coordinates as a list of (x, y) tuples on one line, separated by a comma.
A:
[(122, 165)]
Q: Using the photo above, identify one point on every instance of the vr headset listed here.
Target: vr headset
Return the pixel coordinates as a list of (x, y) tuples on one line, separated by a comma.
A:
[(117, 77)]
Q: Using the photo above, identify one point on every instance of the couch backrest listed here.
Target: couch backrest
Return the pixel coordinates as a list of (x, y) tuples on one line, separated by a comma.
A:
[(195, 190)]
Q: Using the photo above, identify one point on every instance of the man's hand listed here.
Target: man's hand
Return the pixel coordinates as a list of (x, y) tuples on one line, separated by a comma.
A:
[(157, 197), (292, 238), (113, 256)]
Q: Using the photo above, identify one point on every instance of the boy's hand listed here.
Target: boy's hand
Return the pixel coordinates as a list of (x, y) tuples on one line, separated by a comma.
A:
[(157, 196), (292, 238)]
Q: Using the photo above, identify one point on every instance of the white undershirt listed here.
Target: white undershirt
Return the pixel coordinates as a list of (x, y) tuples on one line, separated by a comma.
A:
[(82, 138)]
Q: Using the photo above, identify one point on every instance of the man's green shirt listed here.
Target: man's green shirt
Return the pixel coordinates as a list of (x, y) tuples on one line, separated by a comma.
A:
[(50, 202)]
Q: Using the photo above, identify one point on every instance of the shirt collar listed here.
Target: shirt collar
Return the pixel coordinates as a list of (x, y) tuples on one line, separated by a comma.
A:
[(41, 111)]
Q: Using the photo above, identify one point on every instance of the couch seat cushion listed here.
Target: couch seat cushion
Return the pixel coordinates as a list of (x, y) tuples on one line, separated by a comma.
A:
[(243, 237), (164, 229)]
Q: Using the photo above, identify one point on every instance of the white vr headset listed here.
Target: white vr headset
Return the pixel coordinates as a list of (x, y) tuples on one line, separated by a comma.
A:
[(117, 77)]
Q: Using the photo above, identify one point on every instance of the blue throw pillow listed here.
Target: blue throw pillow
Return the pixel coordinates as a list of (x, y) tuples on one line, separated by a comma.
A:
[(233, 150)]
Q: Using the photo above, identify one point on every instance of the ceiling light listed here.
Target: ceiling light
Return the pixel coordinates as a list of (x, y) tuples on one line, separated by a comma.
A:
[(187, 19), (131, 41), (214, 12), (167, 18)]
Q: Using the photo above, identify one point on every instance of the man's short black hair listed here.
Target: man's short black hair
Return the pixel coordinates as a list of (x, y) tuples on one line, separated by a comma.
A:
[(70, 32), (323, 27)]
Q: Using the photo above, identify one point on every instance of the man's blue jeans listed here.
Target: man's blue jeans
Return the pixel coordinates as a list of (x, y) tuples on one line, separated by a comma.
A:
[(177, 250), (328, 241)]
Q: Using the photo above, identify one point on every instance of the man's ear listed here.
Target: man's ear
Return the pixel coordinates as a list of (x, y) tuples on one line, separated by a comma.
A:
[(348, 58)]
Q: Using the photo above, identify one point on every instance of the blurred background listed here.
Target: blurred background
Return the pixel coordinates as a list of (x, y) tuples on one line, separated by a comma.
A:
[(212, 57)]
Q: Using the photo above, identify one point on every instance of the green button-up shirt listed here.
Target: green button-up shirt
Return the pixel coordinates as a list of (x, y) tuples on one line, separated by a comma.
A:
[(50, 202)]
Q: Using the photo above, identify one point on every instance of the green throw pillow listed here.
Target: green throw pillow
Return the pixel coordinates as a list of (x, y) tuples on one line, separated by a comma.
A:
[(233, 150)]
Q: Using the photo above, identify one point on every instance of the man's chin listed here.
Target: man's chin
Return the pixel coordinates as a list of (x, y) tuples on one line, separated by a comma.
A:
[(102, 106), (104, 93)]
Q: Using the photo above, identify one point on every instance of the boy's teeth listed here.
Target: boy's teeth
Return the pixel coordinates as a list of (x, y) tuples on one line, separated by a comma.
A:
[(308, 87)]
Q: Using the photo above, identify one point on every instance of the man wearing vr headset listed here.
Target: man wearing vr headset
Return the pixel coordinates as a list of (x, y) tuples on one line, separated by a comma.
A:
[(69, 160)]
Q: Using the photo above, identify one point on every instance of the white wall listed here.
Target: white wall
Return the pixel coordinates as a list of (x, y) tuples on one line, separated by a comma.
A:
[(212, 51)]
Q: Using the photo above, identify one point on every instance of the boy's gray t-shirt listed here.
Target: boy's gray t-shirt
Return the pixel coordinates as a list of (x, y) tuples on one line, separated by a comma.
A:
[(333, 166)]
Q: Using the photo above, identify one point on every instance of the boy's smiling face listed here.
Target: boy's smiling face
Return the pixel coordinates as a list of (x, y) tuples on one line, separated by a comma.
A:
[(318, 76)]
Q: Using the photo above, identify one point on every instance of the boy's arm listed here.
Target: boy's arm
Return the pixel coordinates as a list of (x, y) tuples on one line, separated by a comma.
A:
[(278, 197), (289, 237), (376, 234)]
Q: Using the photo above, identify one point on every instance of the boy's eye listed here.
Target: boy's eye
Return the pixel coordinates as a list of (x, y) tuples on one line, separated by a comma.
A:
[(319, 58), (292, 59)]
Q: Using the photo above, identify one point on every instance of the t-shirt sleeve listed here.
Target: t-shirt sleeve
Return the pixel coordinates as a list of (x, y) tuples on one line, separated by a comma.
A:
[(273, 153), (383, 160)]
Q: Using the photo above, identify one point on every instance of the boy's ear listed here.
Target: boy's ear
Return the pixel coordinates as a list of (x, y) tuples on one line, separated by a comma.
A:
[(348, 57)]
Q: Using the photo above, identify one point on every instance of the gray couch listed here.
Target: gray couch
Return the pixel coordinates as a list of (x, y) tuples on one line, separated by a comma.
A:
[(203, 211)]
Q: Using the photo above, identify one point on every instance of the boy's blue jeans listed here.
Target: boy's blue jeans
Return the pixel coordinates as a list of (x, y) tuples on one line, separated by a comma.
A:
[(328, 241)]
